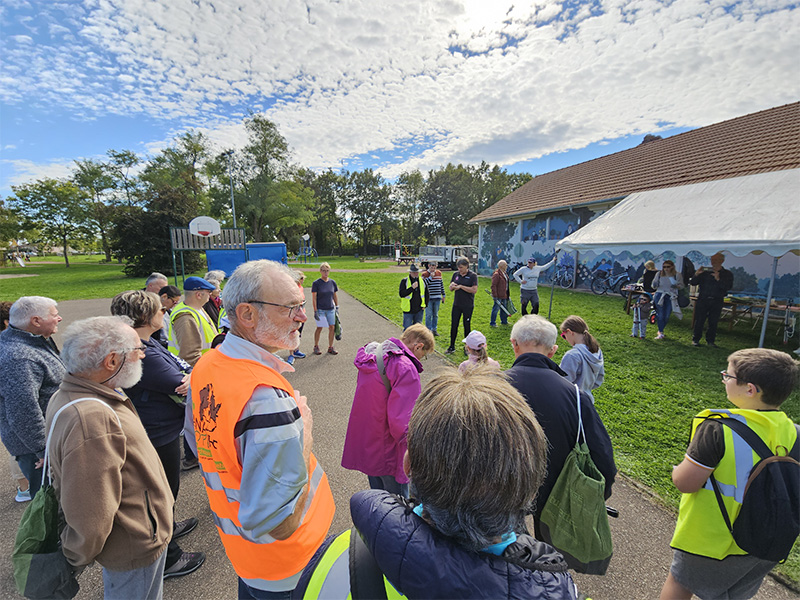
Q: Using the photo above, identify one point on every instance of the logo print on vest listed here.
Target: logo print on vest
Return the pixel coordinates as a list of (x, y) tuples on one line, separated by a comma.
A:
[(206, 423)]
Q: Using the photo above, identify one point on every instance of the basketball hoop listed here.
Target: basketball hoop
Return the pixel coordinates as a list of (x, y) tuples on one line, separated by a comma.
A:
[(204, 227)]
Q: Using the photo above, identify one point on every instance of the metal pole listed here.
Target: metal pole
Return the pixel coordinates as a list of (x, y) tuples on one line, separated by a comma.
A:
[(769, 301), (230, 178)]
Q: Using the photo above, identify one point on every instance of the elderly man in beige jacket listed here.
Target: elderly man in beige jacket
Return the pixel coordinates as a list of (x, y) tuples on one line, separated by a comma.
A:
[(113, 492)]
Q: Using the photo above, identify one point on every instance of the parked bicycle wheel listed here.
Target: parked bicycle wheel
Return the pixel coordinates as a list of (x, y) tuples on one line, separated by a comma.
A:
[(565, 281), (600, 285)]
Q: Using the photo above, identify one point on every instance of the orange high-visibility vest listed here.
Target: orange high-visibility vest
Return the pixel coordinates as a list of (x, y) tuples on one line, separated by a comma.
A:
[(221, 386)]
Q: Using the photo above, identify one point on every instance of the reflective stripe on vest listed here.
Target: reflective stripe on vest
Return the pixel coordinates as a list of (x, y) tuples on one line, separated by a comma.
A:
[(405, 303), (207, 330), (221, 387), (331, 577), (701, 527)]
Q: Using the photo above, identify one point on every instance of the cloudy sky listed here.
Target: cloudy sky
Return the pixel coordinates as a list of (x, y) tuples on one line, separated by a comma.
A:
[(393, 85)]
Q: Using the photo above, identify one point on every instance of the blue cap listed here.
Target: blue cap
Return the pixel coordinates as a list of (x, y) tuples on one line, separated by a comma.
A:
[(192, 284), (532, 259)]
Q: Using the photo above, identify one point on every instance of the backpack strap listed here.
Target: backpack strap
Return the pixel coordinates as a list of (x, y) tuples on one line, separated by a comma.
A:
[(366, 578), (382, 368), (45, 470), (748, 435)]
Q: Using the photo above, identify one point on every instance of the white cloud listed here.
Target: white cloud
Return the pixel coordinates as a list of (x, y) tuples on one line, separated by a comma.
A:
[(472, 79), (26, 171)]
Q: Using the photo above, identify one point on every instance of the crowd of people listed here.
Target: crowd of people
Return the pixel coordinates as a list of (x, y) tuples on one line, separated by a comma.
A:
[(455, 467)]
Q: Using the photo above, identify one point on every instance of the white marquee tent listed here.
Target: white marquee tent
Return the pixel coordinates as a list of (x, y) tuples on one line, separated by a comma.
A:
[(753, 213)]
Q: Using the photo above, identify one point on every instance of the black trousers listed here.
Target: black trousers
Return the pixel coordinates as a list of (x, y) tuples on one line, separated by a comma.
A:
[(170, 455), (706, 309), (457, 313)]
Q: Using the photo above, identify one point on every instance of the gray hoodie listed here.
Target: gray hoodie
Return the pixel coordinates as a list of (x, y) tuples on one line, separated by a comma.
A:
[(584, 368)]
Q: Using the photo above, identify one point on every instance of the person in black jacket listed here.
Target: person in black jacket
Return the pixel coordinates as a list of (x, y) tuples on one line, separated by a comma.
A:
[(714, 285), (553, 398), (160, 399)]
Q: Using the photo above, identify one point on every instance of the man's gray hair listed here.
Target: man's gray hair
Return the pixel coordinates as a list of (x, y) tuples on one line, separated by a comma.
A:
[(462, 261), (88, 342), (27, 307), (155, 277), (478, 456), (534, 330), (249, 280), (215, 276)]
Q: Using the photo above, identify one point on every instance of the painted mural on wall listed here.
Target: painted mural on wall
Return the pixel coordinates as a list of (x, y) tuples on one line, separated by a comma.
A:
[(515, 242)]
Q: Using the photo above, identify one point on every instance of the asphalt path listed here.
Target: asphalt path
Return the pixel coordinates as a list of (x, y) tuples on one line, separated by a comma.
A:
[(641, 533)]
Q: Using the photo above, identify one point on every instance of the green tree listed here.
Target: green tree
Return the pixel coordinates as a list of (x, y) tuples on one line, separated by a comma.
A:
[(409, 191), (326, 226), (58, 208), (95, 180), (170, 192), (119, 167), (449, 201), (366, 202)]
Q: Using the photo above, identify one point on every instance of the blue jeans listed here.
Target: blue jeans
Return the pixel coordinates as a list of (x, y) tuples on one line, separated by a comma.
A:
[(663, 304), (498, 302), (432, 313), (146, 583), (27, 464), (410, 318), (388, 483), (250, 593)]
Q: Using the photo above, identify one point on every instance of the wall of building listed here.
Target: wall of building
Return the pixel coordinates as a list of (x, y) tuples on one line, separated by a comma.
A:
[(516, 240)]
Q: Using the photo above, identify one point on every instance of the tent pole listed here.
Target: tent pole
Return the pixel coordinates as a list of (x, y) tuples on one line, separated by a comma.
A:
[(769, 301), (552, 288)]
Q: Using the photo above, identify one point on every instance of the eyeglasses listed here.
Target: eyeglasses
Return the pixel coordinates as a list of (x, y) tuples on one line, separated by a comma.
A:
[(726, 376), (564, 335), (140, 348), (294, 309)]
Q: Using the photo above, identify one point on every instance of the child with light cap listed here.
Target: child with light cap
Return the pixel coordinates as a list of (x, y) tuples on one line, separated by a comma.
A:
[(476, 352)]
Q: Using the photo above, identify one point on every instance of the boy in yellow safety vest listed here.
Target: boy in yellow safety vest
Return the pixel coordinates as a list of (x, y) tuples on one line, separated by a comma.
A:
[(707, 561)]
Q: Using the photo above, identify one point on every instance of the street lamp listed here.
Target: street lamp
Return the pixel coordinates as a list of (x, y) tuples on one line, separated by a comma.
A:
[(229, 154)]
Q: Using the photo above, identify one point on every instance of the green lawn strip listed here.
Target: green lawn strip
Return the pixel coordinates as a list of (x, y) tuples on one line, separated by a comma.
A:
[(652, 388)]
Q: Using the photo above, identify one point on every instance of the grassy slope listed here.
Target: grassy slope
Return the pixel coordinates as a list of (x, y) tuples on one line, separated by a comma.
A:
[(651, 391)]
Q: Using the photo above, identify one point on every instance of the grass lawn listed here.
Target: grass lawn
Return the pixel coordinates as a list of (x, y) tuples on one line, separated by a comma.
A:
[(651, 390)]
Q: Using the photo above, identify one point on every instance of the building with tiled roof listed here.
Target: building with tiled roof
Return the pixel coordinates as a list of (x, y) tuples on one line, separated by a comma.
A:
[(757, 143), (550, 206)]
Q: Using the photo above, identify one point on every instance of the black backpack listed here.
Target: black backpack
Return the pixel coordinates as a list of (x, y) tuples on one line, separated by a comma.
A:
[(769, 520)]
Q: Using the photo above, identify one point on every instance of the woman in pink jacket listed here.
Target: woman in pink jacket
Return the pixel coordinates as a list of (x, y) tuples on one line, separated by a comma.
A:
[(385, 395)]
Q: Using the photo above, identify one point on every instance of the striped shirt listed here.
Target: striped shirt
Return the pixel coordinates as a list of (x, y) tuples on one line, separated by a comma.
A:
[(434, 283)]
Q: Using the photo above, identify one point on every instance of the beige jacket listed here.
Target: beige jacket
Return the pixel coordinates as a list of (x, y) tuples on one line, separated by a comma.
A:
[(113, 492)]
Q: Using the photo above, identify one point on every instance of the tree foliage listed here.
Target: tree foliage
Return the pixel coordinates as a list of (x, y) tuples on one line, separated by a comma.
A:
[(366, 203), (58, 208), (95, 179)]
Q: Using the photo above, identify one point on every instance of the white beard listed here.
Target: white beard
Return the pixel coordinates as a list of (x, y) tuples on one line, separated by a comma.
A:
[(270, 336), (128, 376)]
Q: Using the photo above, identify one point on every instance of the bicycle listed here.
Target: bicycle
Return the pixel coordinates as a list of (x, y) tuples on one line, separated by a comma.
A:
[(603, 283), (563, 277)]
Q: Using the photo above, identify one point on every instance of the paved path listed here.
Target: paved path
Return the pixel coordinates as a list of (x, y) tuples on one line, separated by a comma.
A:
[(641, 534)]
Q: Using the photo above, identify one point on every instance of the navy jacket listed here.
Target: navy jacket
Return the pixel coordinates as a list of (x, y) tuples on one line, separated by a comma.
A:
[(422, 563), (162, 372), (552, 398)]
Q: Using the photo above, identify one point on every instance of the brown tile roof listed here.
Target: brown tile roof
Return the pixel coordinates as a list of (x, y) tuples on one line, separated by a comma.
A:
[(757, 143)]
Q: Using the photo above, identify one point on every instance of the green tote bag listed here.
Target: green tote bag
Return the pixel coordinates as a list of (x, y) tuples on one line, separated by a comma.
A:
[(574, 518)]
